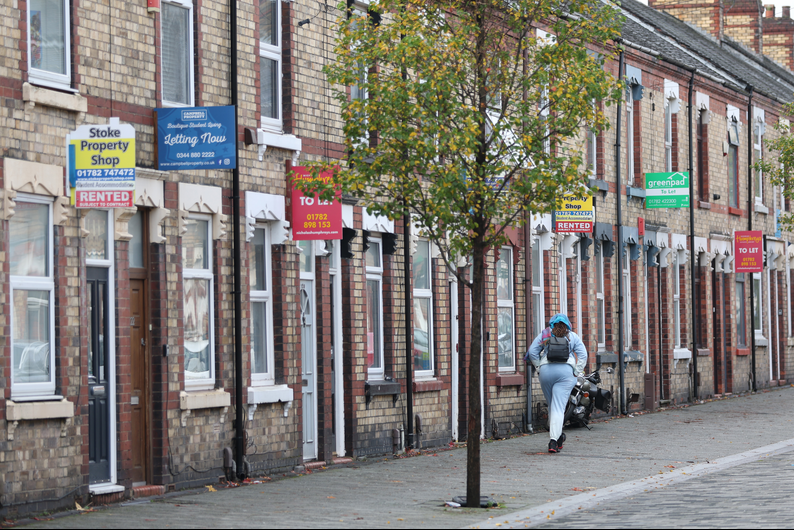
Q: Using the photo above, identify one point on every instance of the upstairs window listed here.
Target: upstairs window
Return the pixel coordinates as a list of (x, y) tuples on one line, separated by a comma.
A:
[(758, 155), (702, 157), (741, 314), (270, 63), (176, 35), (48, 43), (733, 164), (668, 137), (629, 138)]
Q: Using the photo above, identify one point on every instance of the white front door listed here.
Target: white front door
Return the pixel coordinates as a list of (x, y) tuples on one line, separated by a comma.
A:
[(308, 370), (308, 350)]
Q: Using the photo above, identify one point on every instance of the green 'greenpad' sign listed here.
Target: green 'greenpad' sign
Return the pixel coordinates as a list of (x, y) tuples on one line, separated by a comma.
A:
[(667, 190)]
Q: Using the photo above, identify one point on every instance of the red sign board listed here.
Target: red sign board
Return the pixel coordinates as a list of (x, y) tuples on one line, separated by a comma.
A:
[(568, 227), (749, 251), (641, 226), (103, 199), (312, 218)]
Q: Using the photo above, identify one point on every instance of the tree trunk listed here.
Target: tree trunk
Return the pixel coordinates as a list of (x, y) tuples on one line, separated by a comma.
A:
[(475, 405)]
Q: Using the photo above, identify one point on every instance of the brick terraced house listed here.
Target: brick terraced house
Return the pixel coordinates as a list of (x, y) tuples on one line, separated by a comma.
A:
[(118, 325)]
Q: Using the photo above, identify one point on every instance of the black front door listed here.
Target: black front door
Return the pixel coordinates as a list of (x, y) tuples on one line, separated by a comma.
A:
[(98, 387)]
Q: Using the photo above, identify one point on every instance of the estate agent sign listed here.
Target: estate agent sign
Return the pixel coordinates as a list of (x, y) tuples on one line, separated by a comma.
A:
[(576, 215), (667, 190), (312, 218), (196, 138), (749, 251), (101, 163)]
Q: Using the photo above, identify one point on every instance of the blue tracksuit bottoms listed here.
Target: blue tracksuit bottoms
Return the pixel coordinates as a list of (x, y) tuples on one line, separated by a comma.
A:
[(556, 381)]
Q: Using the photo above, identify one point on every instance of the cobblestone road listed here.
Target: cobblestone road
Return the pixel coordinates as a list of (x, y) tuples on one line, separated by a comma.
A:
[(518, 473)]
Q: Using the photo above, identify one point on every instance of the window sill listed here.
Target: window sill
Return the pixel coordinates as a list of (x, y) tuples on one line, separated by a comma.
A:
[(741, 352), (207, 399), (735, 211), (606, 357), (760, 341), (428, 385), (632, 191), (599, 184), (703, 352), (760, 208), (681, 354), (633, 356), (510, 380), (33, 95), (382, 388), (269, 394), (289, 142), (704, 205), (39, 410)]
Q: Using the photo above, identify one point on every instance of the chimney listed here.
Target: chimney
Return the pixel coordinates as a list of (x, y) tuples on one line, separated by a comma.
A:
[(779, 38), (770, 11), (743, 24), (705, 14)]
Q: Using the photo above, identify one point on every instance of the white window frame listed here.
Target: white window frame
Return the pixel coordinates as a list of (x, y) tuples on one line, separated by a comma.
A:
[(591, 149), (507, 303), (600, 300), (758, 295), (376, 274), (36, 283), (629, 137), (627, 320), (204, 274), (44, 77), (274, 53), (266, 297), (187, 4), (427, 294), (537, 290), (668, 135), (758, 154)]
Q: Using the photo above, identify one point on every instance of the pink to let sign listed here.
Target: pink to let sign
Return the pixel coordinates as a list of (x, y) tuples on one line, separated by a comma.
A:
[(749, 251), (313, 218)]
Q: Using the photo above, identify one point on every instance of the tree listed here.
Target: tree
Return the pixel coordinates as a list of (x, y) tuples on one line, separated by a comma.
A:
[(462, 114)]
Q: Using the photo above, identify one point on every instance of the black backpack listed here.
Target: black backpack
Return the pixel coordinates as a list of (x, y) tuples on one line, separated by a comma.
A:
[(558, 349)]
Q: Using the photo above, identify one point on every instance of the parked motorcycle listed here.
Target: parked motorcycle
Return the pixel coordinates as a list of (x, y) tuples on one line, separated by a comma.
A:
[(585, 397)]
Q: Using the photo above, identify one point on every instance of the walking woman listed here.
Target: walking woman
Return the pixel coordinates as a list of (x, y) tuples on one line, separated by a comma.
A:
[(559, 355)]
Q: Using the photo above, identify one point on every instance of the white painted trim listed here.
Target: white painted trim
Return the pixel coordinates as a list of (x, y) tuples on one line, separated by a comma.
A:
[(336, 287), (149, 192), (377, 223), (270, 394), (347, 215)]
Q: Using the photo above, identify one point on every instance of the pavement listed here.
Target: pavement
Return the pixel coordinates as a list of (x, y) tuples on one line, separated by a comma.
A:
[(721, 463)]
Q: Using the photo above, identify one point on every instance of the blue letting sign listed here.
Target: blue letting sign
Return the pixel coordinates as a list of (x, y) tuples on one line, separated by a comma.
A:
[(196, 138)]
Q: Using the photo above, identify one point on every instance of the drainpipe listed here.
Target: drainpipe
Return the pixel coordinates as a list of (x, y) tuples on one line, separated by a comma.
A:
[(750, 200), (692, 255), (528, 298), (621, 354), (409, 369), (239, 423)]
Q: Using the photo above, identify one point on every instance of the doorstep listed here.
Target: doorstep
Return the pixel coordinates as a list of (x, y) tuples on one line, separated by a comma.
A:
[(147, 491)]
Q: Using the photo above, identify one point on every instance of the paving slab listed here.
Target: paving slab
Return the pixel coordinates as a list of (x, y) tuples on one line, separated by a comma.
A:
[(518, 473)]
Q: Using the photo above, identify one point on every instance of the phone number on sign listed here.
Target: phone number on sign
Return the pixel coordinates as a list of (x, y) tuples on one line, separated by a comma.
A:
[(320, 224), (129, 172), (202, 154)]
